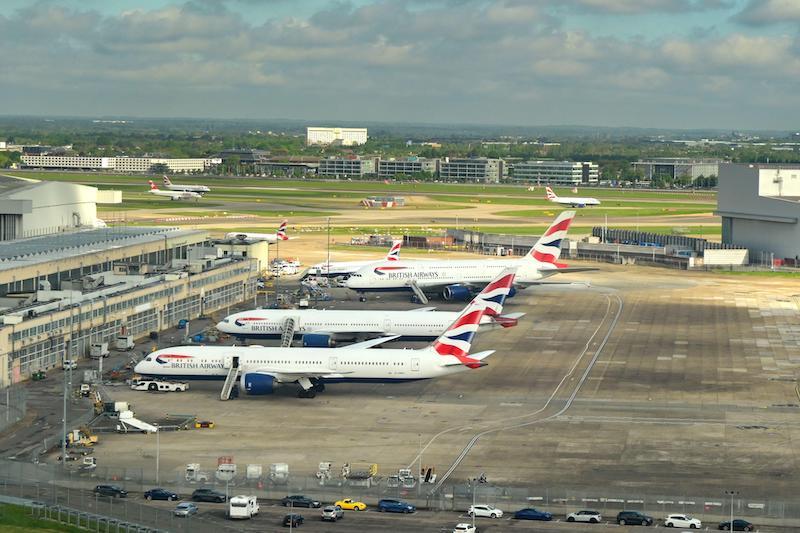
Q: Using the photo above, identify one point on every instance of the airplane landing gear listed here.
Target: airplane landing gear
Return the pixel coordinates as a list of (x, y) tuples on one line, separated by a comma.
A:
[(306, 393)]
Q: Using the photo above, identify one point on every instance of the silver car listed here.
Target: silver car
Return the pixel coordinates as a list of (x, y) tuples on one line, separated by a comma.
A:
[(332, 513), (185, 509), (593, 517)]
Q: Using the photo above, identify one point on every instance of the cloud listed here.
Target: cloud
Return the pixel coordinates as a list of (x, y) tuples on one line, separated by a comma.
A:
[(635, 7), (761, 12)]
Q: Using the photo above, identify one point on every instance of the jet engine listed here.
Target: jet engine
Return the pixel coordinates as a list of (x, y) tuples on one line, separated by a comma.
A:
[(456, 292), (318, 340), (257, 384)]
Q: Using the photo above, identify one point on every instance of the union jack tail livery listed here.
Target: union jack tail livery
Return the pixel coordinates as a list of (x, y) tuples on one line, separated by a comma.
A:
[(282, 231), (167, 182), (547, 249), (153, 186), (394, 251), (550, 194), (494, 295)]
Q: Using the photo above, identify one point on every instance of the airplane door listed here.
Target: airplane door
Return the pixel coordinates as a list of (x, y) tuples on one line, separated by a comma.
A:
[(332, 363), (387, 325), (415, 364), (227, 361)]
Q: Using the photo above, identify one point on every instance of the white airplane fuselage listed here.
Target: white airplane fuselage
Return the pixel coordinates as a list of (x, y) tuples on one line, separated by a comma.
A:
[(188, 188), (175, 195), (575, 201), (270, 238)]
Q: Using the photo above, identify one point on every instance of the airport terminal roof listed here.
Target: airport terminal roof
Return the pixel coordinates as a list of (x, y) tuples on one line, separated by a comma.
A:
[(28, 252), (9, 184)]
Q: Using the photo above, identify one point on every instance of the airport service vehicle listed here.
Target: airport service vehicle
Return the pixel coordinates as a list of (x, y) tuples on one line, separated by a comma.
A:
[(186, 188), (346, 268), (208, 495), (485, 511), (173, 195), (738, 525), (570, 201), (110, 490), (458, 279), (185, 509), (593, 517), (682, 520), (332, 513), (270, 238), (161, 494), (532, 514), (124, 343), (98, 350), (242, 507), (298, 500), (395, 506), (259, 369), (159, 386), (350, 505), (465, 528), (69, 364), (634, 518), (293, 520)]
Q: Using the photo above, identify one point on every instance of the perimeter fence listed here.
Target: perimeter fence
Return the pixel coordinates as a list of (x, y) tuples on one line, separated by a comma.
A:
[(13, 406)]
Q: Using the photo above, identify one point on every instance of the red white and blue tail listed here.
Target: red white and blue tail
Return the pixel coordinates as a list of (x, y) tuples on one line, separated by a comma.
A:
[(167, 182), (550, 194), (394, 251), (547, 249), (153, 186), (494, 295), (281, 234)]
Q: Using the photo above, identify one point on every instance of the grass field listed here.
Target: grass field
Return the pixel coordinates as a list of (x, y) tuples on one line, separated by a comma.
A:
[(17, 519)]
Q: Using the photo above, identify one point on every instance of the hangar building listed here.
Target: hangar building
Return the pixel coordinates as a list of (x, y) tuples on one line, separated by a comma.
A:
[(760, 208)]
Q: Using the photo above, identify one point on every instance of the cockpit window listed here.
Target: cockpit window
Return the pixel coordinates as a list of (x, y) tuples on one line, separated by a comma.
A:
[(225, 320), (148, 358)]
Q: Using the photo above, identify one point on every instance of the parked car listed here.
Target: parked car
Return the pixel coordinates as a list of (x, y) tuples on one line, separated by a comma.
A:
[(532, 514), (69, 364), (293, 520), (161, 494), (299, 500), (593, 517), (465, 528), (738, 525), (485, 510), (111, 490), (185, 509), (208, 495), (395, 506), (349, 504), (634, 518), (682, 520), (332, 513)]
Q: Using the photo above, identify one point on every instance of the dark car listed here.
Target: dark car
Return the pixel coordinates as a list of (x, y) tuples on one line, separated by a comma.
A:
[(208, 495), (292, 520), (738, 525), (532, 514), (111, 490), (395, 506), (299, 501), (634, 518), (161, 494)]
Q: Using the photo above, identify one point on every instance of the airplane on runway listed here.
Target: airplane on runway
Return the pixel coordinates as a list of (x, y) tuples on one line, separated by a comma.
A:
[(323, 328), (271, 238), (571, 201), (459, 279), (173, 195), (259, 369), (188, 188), (346, 268)]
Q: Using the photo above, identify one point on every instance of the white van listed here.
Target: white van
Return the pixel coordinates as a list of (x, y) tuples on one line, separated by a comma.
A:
[(242, 507), (160, 386)]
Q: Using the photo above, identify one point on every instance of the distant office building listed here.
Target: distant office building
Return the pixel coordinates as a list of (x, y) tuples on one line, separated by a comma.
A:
[(760, 208), (476, 169), (557, 172), (346, 167), (119, 164), (245, 156), (390, 168), (340, 136), (676, 167)]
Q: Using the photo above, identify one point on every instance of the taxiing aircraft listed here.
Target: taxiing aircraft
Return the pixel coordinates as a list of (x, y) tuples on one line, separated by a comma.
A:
[(271, 238), (571, 201), (260, 369), (188, 188), (173, 195), (345, 268), (459, 279)]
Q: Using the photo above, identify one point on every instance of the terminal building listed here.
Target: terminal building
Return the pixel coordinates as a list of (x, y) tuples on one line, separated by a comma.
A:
[(342, 167), (120, 164), (472, 170), (338, 136), (676, 167), (556, 172), (760, 209), (389, 168)]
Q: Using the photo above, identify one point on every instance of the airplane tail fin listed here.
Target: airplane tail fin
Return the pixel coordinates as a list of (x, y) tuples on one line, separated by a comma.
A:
[(494, 295), (153, 186), (456, 341), (394, 251), (547, 249), (550, 194), (282, 231), (167, 182)]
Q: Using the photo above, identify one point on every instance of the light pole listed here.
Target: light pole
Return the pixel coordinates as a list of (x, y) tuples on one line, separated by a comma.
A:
[(158, 450), (329, 247), (732, 493), (419, 471), (474, 487)]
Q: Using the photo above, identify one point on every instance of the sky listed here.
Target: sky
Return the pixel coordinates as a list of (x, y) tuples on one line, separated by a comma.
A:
[(727, 64)]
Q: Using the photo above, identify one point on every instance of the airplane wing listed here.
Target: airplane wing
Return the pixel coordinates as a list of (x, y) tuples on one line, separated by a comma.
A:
[(423, 309), (370, 343)]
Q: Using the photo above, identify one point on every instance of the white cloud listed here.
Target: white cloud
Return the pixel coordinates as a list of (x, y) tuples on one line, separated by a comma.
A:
[(758, 12)]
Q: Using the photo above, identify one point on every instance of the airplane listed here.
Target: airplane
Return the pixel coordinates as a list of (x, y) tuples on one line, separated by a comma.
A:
[(188, 188), (173, 195), (260, 369), (323, 328), (571, 201), (271, 238), (458, 279), (345, 268)]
